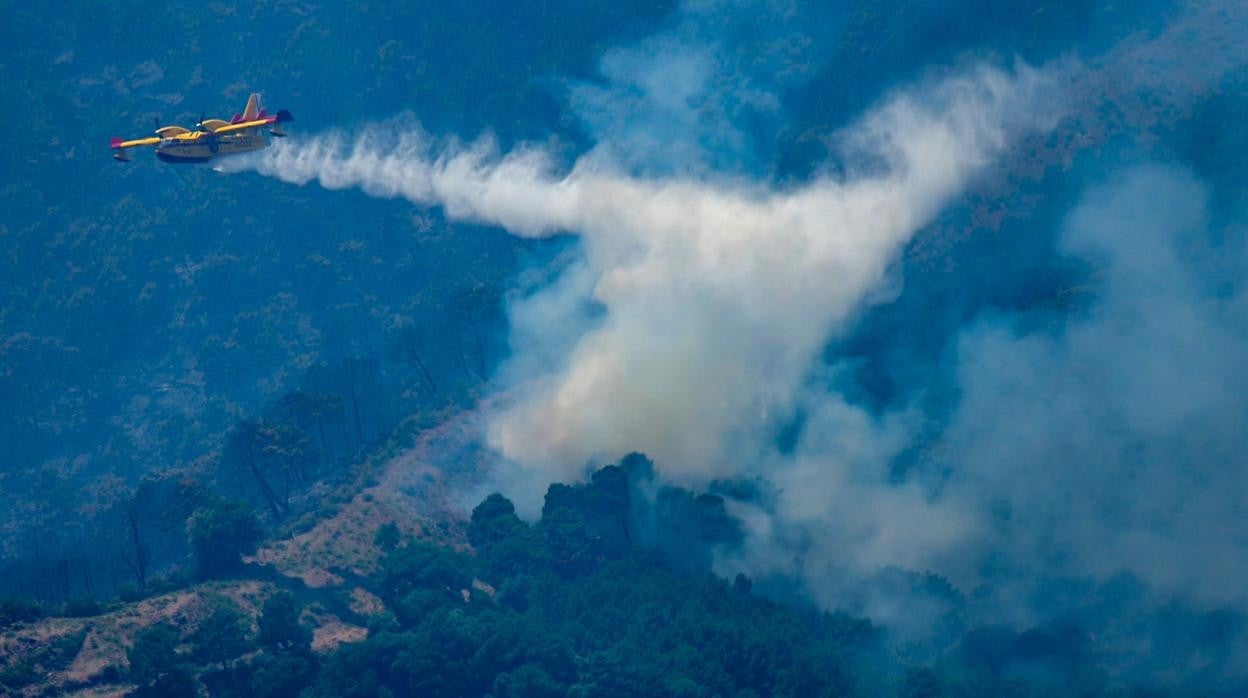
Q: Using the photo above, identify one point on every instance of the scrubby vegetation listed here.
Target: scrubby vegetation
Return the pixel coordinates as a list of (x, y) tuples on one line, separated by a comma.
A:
[(584, 602), (198, 372)]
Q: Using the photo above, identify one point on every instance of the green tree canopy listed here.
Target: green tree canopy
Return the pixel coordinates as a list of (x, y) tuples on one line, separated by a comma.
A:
[(507, 545), (156, 666), (281, 674), (220, 534), (221, 636), (280, 626)]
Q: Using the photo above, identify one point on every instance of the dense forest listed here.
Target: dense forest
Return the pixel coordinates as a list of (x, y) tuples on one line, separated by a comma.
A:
[(161, 324), (248, 422), (583, 602), (153, 313)]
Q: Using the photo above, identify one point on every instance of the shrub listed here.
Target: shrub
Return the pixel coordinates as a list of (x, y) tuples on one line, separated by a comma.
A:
[(82, 607), (220, 534), (19, 610)]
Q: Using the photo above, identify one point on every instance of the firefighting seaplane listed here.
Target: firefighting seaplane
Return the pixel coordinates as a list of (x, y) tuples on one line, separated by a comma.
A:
[(211, 137)]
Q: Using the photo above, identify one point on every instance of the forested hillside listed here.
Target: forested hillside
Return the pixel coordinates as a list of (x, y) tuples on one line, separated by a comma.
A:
[(583, 602), (929, 319), (160, 325)]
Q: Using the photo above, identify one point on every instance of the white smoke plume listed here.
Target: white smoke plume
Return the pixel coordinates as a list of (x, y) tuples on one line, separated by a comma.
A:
[(718, 294), (715, 296)]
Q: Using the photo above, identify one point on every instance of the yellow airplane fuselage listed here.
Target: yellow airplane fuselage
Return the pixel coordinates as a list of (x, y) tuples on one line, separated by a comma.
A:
[(200, 146)]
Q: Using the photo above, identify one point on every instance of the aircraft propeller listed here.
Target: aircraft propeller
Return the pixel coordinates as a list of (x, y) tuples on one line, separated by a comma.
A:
[(211, 138)]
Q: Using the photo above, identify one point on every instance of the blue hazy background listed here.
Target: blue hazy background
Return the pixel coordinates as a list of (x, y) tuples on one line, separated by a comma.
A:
[(1066, 339)]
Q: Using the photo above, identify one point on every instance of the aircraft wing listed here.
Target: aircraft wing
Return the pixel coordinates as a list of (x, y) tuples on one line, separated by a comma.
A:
[(243, 125), (120, 146), (281, 117), (118, 143)]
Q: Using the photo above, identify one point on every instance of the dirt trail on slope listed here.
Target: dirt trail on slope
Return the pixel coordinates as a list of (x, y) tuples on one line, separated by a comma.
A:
[(414, 490)]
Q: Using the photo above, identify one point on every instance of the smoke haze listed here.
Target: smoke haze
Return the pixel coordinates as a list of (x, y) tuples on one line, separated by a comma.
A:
[(694, 321)]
